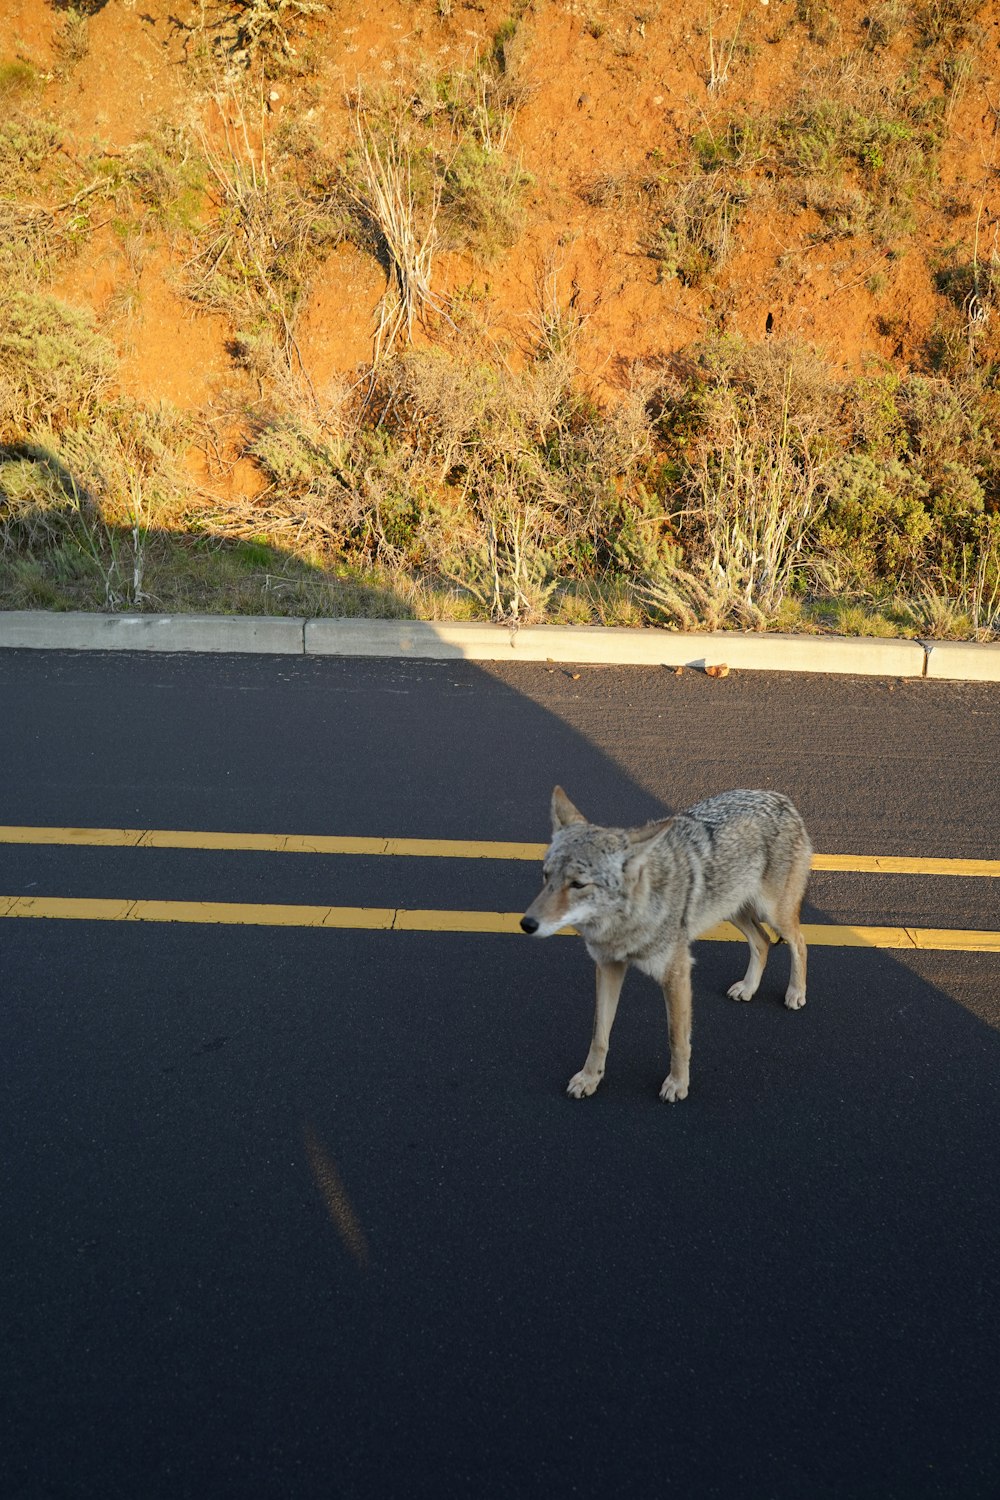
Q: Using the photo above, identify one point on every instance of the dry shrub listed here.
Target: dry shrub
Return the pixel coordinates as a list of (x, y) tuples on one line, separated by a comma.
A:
[(268, 33), (484, 430), (382, 188), (82, 478), (431, 166), (27, 146), (503, 483), (273, 220), (694, 238), (42, 505), (80, 508), (27, 235), (751, 483), (543, 475), (944, 22)]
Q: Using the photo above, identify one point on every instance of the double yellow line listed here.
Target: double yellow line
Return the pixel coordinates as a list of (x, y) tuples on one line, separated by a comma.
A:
[(267, 843), (406, 920), (293, 843), (400, 919)]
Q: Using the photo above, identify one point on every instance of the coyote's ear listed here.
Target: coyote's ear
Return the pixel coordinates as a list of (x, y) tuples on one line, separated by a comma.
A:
[(640, 838), (640, 842), (563, 811)]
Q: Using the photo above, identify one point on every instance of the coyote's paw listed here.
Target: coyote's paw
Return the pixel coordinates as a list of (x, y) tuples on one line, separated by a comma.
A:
[(583, 1084), (740, 991), (673, 1089), (795, 999)]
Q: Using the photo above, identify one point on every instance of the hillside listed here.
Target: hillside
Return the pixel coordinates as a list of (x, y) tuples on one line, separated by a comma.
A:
[(589, 312)]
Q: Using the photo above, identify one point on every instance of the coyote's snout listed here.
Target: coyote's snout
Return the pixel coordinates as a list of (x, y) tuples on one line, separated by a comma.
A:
[(641, 895)]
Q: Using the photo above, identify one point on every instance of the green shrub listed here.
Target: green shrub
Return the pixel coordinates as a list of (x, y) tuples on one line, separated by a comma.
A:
[(54, 365), (482, 199), (27, 145), (876, 522), (17, 78)]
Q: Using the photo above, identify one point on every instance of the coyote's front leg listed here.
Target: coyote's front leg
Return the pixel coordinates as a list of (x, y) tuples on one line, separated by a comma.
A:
[(677, 991), (610, 978)]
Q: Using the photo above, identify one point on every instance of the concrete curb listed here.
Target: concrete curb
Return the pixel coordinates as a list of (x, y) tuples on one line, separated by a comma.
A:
[(437, 640), (89, 632), (963, 661), (595, 644)]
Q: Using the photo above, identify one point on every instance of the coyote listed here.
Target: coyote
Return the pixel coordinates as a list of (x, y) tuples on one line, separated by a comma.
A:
[(640, 895)]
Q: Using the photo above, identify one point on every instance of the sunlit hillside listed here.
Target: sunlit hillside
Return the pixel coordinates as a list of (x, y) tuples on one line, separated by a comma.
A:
[(611, 313)]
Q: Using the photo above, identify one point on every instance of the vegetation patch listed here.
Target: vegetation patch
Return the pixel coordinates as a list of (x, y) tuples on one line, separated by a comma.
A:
[(54, 365), (695, 233)]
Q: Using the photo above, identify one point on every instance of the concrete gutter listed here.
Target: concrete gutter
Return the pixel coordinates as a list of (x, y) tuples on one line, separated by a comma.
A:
[(436, 640)]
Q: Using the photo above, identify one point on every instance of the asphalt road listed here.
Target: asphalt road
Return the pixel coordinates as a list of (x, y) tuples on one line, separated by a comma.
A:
[(307, 1213)]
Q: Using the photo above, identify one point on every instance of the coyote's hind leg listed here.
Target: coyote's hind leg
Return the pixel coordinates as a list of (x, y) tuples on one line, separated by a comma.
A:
[(788, 926), (746, 920), (786, 920)]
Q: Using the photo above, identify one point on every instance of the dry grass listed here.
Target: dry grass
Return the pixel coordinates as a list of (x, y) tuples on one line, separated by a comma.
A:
[(721, 53), (695, 234), (254, 258), (382, 188)]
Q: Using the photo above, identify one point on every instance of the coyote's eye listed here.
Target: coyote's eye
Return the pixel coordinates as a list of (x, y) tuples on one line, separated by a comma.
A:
[(578, 885)]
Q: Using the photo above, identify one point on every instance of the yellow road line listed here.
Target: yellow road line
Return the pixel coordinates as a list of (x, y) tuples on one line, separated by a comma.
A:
[(283, 843), (227, 913), (902, 864), (270, 843), (380, 918)]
